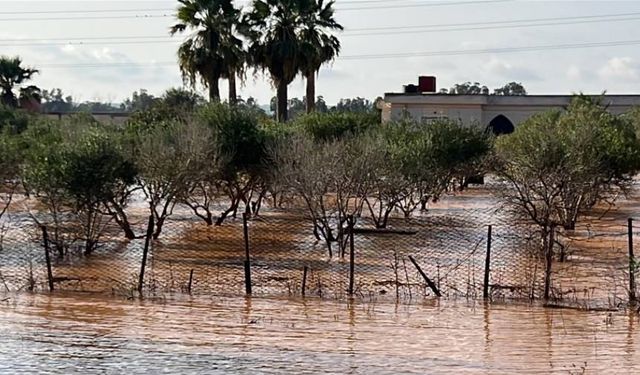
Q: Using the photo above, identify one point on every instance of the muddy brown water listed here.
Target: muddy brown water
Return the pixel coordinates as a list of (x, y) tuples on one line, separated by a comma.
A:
[(76, 333)]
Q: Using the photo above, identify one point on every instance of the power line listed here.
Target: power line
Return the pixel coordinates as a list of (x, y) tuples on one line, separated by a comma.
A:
[(75, 11), (164, 15), (497, 27), (137, 16), (499, 50), (496, 50), (446, 25), (78, 11), (155, 39), (425, 5)]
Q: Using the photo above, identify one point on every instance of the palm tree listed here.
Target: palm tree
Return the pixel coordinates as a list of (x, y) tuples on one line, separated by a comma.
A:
[(318, 46), (272, 28), (11, 75), (212, 51)]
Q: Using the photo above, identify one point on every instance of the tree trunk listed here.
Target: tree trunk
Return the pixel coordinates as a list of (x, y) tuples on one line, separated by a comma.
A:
[(214, 91), (281, 110), (311, 92), (233, 97), (159, 225)]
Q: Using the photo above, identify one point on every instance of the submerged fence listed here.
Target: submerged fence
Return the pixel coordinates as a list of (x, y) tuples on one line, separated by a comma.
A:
[(452, 252)]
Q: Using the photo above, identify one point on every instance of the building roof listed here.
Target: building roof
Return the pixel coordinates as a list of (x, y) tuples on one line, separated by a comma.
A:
[(528, 100)]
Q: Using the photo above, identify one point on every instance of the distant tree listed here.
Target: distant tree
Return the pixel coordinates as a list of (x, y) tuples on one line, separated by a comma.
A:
[(353, 105), (468, 88), (321, 105), (12, 74), (55, 101), (251, 105), (181, 98), (92, 107), (296, 107), (511, 88), (139, 101)]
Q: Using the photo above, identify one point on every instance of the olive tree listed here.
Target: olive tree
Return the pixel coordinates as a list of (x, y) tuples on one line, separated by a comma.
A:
[(73, 168), (329, 176), (434, 158), (239, 148), (558, 165), (169, 157), (9, 171)]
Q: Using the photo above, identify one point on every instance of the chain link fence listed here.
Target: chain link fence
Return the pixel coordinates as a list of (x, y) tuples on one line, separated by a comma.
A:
[(454, 251)]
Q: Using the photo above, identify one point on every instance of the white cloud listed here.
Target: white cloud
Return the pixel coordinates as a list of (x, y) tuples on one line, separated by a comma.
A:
[(620, 68), (505, 70), (574, 72), (69, 48)]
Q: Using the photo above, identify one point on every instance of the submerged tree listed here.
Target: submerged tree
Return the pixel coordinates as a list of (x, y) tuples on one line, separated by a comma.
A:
[(558, 165)]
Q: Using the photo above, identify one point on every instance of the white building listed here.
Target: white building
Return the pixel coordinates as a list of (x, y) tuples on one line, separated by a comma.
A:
[(501, 113)]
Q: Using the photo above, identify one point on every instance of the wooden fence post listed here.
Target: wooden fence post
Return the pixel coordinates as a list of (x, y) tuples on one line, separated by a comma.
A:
[(247, 260), (145, 253), (487, 266), (47, 257), (352, 254), (632, 265)]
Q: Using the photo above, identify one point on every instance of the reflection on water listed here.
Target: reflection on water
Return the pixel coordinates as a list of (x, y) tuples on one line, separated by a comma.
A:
[(81, 334)]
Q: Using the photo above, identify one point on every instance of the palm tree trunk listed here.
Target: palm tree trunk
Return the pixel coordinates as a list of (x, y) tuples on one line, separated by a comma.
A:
[(311, 92), (214, 91), (233, 97), (281, 110)]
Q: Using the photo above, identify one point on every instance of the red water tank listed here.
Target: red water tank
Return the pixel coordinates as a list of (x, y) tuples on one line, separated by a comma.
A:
[(427, 84)]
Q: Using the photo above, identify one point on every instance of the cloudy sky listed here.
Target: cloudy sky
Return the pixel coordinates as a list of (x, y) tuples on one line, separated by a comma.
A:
[(104, 50)]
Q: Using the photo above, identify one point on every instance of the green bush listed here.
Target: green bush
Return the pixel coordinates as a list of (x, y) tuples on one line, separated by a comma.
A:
[(336, 125)]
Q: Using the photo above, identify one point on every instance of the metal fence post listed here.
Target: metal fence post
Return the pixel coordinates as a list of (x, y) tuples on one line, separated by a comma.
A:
[(632, 265), (304, 279), (47, 257), (487, 265), (352, 256), (548, 264), (190, 281), (247, 260), (145, 253)]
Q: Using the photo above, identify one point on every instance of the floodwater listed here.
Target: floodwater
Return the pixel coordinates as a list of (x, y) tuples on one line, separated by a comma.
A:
[(67, 334)]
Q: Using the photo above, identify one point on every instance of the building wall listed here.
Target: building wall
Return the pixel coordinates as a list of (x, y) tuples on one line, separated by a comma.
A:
[(104, 118), (482, 109)]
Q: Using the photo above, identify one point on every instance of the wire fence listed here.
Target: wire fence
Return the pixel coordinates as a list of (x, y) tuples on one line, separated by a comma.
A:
[(453, 252)]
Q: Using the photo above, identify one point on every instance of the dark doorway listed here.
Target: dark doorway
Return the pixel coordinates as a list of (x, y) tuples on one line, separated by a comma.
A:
[(501, 125)]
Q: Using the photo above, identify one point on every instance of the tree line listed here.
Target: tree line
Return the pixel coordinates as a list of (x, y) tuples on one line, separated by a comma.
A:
[(83, 175)]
